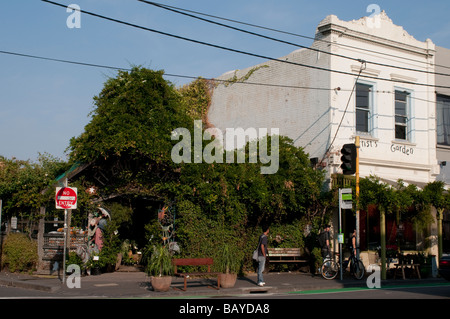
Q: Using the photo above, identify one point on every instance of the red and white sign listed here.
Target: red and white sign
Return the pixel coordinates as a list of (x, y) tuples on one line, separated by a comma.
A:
[(66, 198)]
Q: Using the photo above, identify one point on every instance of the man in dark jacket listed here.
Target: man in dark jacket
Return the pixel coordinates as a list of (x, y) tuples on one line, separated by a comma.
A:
[(324, 241)]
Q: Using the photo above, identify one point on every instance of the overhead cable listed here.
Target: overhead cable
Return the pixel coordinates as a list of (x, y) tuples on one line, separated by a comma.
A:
[(287, 42), (293, 34), (167, 74), (236, 50)]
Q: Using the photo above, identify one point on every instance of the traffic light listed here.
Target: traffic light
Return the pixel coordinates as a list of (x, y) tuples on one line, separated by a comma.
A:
[(348, 159)]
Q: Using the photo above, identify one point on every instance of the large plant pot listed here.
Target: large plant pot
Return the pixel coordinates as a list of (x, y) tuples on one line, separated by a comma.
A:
[(161, 283), (96, 271), (227, 280)]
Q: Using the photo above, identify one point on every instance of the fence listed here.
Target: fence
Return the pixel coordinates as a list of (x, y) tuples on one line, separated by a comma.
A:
[(51, 244)]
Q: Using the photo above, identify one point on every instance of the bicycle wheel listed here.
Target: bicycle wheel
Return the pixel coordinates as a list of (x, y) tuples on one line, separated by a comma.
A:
[(329, 269), (358, 269)]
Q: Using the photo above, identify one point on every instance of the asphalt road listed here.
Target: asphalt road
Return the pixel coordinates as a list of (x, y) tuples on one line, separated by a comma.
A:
[(423, 291), (395, 301)]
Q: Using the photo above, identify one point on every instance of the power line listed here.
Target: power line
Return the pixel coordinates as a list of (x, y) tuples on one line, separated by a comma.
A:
[(164, 7), (63, 61), (299, 35), (197, 77), (166, 74), (236, 50)]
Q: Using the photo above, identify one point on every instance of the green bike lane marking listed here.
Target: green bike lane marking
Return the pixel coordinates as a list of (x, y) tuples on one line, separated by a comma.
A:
[(352, 289)]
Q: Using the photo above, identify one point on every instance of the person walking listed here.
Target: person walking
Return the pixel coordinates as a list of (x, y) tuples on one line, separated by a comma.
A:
[(353, 244), (324, 241), (262, 255)]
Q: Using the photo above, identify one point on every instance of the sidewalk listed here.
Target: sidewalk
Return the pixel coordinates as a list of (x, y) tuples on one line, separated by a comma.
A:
[(136, 284)]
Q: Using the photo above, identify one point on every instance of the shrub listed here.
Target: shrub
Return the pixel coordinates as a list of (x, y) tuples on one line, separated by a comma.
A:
[(74, 259), (19, 252)]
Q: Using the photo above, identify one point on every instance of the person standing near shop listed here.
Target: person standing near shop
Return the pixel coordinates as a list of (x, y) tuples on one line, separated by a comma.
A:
[(324, 241), (262, 255)]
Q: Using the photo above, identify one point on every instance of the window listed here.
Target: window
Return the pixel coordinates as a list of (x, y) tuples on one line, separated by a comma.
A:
[(363, 106), (443, 119), (401, 115)]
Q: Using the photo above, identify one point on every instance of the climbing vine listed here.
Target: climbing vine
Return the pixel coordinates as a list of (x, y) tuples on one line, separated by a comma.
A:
[(244, 78)]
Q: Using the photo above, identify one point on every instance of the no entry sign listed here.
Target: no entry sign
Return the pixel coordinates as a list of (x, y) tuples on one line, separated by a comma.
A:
[(66, 198)]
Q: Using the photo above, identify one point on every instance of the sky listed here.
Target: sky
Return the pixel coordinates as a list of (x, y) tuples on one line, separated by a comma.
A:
[(44, 103)]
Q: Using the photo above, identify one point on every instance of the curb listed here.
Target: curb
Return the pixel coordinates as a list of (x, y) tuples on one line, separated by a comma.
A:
[(28, 284)]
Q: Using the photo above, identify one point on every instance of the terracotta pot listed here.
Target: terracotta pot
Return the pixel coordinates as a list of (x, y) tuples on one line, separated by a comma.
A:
[(161, 283), (227, 280)]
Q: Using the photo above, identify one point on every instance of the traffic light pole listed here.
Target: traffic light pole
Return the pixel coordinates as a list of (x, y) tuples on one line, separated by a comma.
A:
[(357, 196)]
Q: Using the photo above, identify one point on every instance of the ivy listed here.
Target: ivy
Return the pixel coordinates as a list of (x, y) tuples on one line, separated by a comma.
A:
[(245, 77)]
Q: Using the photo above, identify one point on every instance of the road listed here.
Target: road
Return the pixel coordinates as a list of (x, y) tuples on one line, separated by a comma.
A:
[(395, 301), (412, 292), (423, 291)]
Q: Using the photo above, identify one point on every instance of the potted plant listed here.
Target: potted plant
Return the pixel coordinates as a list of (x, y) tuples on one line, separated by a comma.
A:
[(229, 265), (160, 269), (93, 265)]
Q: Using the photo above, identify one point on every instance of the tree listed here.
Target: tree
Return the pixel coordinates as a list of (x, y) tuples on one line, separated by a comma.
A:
[(22, 182), (128, 143), (435, 194), (373, 191), (128, 139)]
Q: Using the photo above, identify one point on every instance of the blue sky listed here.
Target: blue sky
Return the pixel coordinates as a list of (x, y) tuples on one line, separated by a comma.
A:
[(43, 104)]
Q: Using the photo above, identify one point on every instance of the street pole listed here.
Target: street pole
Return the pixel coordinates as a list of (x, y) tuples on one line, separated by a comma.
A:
[(1, 236), (357, 196), (65, 240), (340, 232)]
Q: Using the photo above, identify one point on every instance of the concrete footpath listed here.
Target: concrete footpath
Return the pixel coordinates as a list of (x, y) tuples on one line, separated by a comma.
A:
[(136, 284)]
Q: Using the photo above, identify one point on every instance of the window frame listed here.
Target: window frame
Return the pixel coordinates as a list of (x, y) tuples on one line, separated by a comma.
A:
[(370, 107), (408, 127), (446, 100)]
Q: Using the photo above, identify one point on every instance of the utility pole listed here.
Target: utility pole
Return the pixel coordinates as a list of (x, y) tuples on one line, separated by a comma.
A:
[(65, 239), (1, 236), (357, 196)]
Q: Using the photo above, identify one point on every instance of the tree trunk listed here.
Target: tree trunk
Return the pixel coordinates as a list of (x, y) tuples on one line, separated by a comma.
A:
[(440, 216), (383, 243)]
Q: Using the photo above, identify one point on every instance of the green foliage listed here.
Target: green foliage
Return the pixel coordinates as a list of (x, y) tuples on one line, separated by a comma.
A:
[(22, 183), (19, 252), (373, 191), (244, 78), (288, 235), (317, 258), (112, 246), (407, 202), (435, 195), (160, 263), (134, 116), (196, 98), (229, 259), (74, 259), (129, 140)]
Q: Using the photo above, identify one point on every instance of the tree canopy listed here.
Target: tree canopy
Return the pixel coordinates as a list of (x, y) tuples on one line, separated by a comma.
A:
[(22, 183)]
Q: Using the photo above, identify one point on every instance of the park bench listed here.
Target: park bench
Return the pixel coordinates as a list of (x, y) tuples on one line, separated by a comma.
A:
[(402, 266), (286, 255), (194, 262)]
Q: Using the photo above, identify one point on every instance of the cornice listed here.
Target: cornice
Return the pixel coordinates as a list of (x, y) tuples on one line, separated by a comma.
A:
[(345, 32)]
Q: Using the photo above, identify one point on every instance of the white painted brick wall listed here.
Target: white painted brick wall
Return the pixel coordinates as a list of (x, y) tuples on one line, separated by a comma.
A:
[(310, 117)]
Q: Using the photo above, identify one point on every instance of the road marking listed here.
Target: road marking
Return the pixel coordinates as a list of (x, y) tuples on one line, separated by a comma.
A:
[(354, 289), (106, 285)]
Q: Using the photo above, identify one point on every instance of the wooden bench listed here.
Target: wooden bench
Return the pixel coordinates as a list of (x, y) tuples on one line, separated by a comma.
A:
[(286, 255), (194, 262), (402, 266)]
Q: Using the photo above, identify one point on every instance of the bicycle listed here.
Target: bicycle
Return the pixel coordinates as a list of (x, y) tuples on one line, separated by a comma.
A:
[(330, 268)]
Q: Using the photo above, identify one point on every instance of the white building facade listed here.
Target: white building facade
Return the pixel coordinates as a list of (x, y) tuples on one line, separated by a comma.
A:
[(366, 78)]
